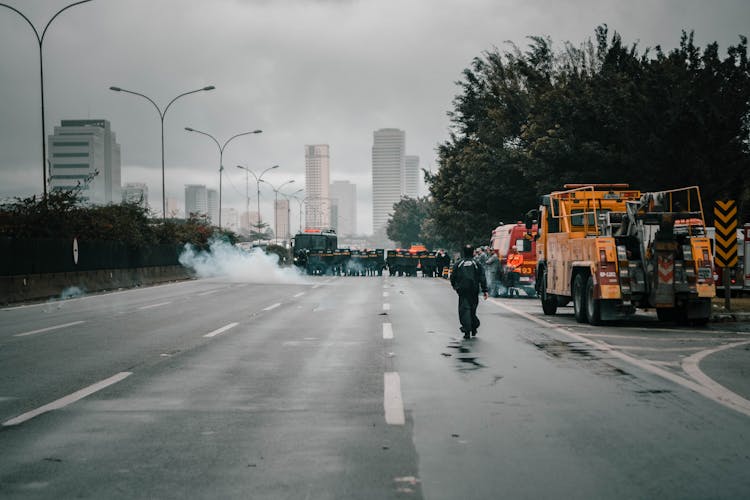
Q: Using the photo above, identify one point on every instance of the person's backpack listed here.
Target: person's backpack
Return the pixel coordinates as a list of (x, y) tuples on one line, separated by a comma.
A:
[(466, 276)]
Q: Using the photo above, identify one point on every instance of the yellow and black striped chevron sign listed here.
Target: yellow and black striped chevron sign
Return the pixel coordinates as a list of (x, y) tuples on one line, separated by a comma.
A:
[(725, 222)]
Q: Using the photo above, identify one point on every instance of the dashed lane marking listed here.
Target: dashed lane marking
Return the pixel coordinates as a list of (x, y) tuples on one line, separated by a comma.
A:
[(385, 294), (207, 293), (48, 329), (392, 401), (221, 330), (151, 306), (710, 389), (66, 400), (272, 306), (300, 294), (386, 307), (387, 331)]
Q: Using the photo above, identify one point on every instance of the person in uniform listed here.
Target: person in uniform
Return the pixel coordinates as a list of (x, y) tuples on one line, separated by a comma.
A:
[(467, 279)]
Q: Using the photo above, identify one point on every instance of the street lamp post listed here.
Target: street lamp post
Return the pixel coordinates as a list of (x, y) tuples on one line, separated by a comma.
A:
[(289, 208), (258, 180), (40, 40), (221, 155), (275, 207), (162, 114)]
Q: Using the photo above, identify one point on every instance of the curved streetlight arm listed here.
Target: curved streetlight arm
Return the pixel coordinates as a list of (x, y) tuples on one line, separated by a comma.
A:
[(57, 14), (158, 110), (39, 38), (210, 87)]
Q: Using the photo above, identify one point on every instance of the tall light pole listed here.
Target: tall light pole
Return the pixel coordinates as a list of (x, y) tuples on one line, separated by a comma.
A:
[(258, 180), (289, 208), (40, 39), (161, 117), (221, 155), (275, 207)]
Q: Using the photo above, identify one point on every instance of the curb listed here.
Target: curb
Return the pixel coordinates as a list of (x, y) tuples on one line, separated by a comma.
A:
[(730, 316)]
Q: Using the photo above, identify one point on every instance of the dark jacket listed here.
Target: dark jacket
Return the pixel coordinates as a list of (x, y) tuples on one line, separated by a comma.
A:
[(466, 280)]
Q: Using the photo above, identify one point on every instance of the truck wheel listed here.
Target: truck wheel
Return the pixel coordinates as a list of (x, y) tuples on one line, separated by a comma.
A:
[(579, 298), (665, 314), (549, 302), (593, 306)]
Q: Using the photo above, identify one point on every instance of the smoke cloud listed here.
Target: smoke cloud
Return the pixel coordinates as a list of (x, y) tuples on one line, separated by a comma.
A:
[(227, 261)]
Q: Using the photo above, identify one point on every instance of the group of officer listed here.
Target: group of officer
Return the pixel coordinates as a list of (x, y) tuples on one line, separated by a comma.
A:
[(406, 263)]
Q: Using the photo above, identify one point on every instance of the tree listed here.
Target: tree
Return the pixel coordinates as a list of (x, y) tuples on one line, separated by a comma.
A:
[(405, 223)]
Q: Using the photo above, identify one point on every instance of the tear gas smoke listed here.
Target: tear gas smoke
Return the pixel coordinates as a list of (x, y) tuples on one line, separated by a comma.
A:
[(227, 261)]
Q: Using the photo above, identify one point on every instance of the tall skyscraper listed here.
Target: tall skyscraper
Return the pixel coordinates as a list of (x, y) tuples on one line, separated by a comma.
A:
[(317, 180), (135, 192), (84, 154), (196, 200), (344, 207), (213, 205), (387, 172), (281, 220), (411, 176)]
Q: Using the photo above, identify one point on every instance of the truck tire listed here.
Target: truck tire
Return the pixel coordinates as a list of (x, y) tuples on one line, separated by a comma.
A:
[(579, 298), (549, 302), (666, 314), (593, 305)]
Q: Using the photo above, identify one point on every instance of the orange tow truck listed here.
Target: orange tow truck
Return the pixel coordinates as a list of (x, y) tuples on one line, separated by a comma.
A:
[(611, 250)]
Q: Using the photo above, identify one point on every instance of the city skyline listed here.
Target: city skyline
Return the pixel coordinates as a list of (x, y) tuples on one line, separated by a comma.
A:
[(305, 85)]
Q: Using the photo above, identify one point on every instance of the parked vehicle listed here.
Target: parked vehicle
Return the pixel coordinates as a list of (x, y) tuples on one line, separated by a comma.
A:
[(515, 248)]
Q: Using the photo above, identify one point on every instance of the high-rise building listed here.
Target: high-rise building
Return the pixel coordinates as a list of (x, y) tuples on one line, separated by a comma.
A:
[(230, 219), (281, 220), (196, 200), (174, 208), (249, 221), (411, 176), (317, 180), (135, 192), (84, 154), (213, 205), (344, 207), (387, 172)]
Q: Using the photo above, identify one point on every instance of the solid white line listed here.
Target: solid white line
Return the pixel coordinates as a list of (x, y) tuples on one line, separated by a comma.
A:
[(298, 295), (155, 305), (386, 307), (690, 365), (66, 400), (221, 330), (272, 306), (392, 401), (387, 331), (739, 404), (655, 349), (207, 293), (49, 328)]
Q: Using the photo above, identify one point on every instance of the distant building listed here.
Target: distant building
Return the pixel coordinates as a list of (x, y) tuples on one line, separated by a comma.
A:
[(174, 208), (135, 192), (213, 206), (281, 220), (248, 221), (411, 176), (230, 219), (388, 149), (196, 200), (344, 207), (317, 180), (84, 154)]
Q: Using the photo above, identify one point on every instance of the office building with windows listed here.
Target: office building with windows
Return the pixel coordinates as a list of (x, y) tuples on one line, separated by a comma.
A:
[(196, 200), (344, 207), (411, 176), (84, 155), (135, 192), (387, 173), (317, 181)]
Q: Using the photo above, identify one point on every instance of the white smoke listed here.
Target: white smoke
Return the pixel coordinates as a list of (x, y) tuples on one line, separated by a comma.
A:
[(227, 261)]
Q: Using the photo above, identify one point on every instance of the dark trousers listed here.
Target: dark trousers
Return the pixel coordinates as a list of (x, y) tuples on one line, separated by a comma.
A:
[(467, 311)]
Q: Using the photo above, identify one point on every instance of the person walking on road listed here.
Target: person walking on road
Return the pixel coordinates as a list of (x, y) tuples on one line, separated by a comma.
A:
[(467, 278)]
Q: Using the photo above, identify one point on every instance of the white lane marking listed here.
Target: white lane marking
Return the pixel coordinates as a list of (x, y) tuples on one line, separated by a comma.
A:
[(738, 403), (385, 294), (272, 306), (690, 366), (155, 305), (387, 331), (392, 401), (655, 349), (221, 330), (66, 400), (316, 286), (48, 329), (386, 307), (207, 293), (643, 337), (298, 295)]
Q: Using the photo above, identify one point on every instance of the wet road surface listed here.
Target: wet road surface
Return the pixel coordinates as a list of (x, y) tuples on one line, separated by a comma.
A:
[(361, 387)]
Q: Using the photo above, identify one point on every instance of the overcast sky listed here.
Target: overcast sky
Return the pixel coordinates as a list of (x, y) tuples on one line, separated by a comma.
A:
[(303, 71)]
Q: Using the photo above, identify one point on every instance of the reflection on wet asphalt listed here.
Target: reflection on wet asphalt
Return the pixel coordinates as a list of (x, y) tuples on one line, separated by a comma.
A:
[(467, 356)]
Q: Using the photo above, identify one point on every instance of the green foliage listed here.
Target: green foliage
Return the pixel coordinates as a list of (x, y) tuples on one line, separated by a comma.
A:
[(525, 123), (413, 221), (62, 215)]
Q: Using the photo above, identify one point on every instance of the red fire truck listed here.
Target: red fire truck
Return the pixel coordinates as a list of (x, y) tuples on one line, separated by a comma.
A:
[(515, 247)]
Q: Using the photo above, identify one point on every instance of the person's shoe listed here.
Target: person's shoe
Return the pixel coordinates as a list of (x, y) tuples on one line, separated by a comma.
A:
[(473, 333), (467, 336)]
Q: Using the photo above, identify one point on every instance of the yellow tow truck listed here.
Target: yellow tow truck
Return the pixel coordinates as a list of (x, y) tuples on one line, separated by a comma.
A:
[(610, 250)]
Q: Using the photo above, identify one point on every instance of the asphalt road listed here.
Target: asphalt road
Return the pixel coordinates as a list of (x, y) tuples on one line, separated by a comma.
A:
[(361, 387)]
